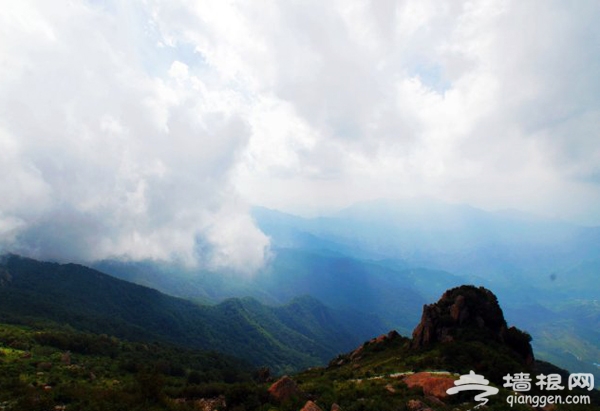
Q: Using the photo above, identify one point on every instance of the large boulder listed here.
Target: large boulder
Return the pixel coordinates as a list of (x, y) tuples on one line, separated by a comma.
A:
[(285, 389), (432, 385)]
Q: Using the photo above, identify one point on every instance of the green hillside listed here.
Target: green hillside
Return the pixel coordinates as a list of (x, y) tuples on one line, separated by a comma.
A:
[(286, 338), (53, 367), (56, 368)]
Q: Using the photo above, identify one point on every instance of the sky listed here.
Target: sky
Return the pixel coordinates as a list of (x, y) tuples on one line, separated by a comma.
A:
[(146, 129)]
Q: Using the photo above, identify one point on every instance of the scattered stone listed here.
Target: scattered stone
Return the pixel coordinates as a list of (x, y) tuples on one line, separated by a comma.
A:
[(390, 388), (210, 404), (335, 407)]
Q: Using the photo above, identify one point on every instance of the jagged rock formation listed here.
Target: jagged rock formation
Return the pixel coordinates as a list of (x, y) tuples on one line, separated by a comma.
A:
[(465, 313)]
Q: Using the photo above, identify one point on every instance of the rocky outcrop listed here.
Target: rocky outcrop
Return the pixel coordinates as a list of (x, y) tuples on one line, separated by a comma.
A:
[(460, 307), (374, 343), (382, 339), (465, 312), (311, 406), (285, 389)]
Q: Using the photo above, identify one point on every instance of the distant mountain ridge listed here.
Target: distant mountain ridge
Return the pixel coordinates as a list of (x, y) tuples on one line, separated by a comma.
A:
[(300, 334), (457, 238), (528, 261), (386, 259)]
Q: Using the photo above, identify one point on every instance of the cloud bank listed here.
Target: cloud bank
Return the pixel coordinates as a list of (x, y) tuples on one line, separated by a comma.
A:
[(144, 129), (104, 158)]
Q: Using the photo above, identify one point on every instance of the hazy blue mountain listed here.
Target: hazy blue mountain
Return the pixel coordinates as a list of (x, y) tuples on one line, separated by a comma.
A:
[(299, 334), (538, 267), (456, 238), (568, 334), (200, 285), (395, 295), (387, 258), (385, 289)]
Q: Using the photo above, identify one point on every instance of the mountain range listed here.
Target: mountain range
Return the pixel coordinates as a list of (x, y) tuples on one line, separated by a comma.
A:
[(87, 340), (299, 334), (62, 359), (387, 259)]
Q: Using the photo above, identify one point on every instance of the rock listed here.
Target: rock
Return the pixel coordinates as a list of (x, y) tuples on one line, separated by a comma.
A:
[(335, 407), (390, 388), (285, 389), (432, 385), (355, 355), (210, 404), (311, 406), (382, 339), (416, 405), (469, 307)]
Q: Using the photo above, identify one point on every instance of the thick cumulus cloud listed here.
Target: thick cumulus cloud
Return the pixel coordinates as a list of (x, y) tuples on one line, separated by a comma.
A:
[(111, 150), (143, 129), (491, 103)]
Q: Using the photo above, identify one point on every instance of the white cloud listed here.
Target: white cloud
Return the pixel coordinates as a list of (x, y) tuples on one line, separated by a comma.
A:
[(137, 129), (104, 159)]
